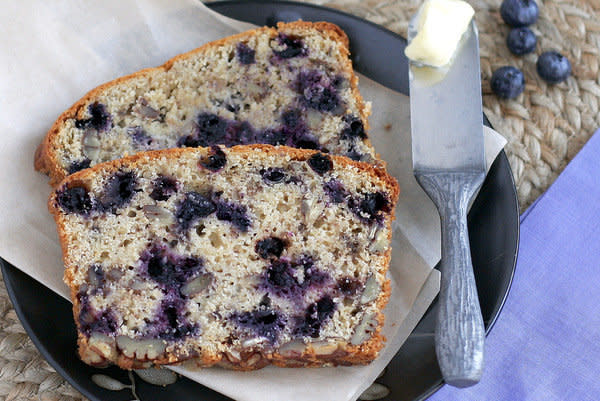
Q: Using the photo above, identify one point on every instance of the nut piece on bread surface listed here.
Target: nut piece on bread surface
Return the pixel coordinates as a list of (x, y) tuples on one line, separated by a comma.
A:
[(292, 85), (239, 257)]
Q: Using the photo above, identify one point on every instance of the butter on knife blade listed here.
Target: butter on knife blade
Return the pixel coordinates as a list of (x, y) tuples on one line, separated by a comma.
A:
[(441, 24)]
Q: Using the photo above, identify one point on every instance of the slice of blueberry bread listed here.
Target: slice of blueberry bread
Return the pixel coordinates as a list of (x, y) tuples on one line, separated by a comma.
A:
[(240, 256), (292, 86)]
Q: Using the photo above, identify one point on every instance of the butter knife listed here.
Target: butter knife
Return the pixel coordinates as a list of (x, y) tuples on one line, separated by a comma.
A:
[(449, 164)]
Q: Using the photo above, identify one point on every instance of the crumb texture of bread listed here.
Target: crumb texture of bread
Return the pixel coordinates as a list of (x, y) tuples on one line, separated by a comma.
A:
[(241, 257), (292, 85)]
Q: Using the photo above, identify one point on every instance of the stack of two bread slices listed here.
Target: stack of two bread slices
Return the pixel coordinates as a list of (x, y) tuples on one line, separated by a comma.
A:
[(250, 226)]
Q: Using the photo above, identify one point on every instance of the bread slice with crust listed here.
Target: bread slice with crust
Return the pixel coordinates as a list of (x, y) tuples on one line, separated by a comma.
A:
[(241, 257), (291, 85)]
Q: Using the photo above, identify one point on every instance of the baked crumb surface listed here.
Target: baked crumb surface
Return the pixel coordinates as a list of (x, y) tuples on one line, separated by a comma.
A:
[(291, 86), (240, 256)]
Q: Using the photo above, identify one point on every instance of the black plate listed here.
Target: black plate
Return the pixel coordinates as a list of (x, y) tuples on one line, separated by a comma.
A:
[(413, 374)]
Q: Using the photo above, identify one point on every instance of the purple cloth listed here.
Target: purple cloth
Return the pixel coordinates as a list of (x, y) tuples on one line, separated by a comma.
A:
[(546, 342)]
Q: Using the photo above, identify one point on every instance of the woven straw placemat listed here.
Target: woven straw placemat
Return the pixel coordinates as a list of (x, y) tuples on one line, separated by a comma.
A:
[(545, 127)]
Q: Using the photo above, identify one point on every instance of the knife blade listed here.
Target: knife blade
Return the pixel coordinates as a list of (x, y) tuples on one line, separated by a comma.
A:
[(449, 164)]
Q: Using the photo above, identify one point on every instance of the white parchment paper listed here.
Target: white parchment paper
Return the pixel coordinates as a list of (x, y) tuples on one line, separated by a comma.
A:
[(54, 52)]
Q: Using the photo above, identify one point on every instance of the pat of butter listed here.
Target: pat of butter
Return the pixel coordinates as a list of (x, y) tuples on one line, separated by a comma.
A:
[(440, 26)]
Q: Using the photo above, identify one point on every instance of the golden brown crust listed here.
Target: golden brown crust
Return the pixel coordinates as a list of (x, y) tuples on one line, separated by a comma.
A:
[(345, 354), (46, 156)]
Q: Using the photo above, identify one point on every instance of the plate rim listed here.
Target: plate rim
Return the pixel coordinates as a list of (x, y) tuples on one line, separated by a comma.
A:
[(5, 266)]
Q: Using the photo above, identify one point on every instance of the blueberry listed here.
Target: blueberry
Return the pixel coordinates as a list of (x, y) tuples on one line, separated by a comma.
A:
[(210, 130), (294, 131), (271, 246), (100, 119), (188, 265), (118, 191), (235, 214), (171, 315), (336, 191), (262, 321), (373, 203), (163, 188), (348, 285), (322, 99), (272, 175), (325, 307), (279, 275), (316, 91), (170, 323), (312, 275), (79, 165), (158, 267), (169, 269), (307, 141), (338, 82), (239, 133), (320, 163), (521, 41), (353, 128), (176, 327), (216, 161), (140, 138), (518, 13), (553, 67), (103, 322), (369, 206), (92, 320), (294, 47), (81, 123), (507, 82), (188, 141), (286, 278), (265, 302), (292, 118), (315, 316), (245, 54), (75, 200), (273, 137), (193, 207)]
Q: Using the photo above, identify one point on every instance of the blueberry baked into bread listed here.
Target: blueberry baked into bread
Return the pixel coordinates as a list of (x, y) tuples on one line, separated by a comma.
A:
[(292, 86), (240, 256)]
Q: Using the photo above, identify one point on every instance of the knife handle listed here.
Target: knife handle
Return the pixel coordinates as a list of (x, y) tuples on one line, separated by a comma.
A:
[(459, 333)]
